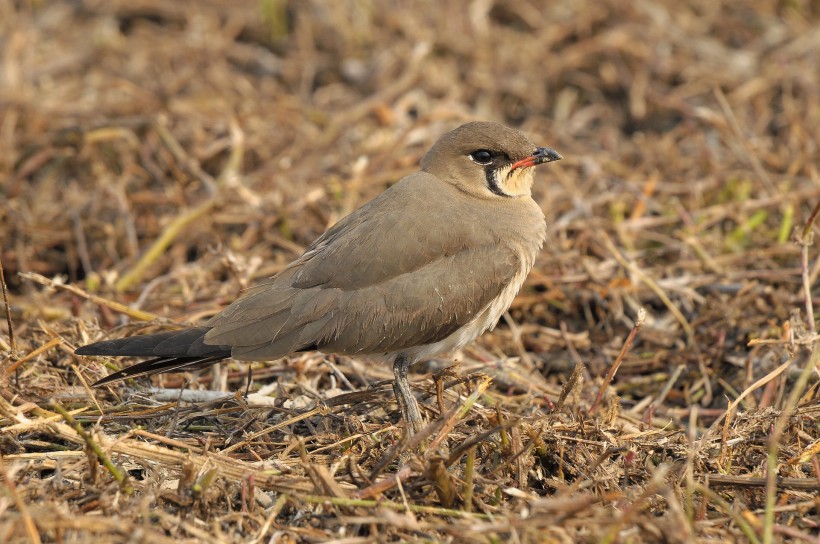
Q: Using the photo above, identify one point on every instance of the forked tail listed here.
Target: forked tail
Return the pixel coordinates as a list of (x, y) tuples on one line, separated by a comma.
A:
[(173, 351)]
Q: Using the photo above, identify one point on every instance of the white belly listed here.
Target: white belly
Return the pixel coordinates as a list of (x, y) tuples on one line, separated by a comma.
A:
[(485, 320)]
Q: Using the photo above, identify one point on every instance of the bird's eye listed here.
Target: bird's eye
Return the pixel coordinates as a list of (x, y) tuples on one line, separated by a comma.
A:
[(482, 157)]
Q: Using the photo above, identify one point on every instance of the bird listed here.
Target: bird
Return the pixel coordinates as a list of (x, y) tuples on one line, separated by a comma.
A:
[(423, 269)]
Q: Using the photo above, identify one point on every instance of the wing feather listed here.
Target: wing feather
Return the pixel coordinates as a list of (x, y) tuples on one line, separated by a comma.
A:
[(380, 280)]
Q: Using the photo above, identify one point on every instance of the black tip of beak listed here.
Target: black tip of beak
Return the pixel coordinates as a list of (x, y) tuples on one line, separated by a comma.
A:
[(541, 155), (544, 154)]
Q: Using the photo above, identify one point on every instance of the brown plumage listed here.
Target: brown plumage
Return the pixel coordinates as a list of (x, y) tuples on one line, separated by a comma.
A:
[(423, 268)]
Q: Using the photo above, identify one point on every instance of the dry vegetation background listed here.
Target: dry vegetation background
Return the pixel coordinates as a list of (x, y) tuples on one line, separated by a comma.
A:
[(165, 155)]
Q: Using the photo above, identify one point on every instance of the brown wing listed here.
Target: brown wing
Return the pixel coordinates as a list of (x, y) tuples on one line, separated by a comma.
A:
[(418, 220), (416, 308), (403, 270)]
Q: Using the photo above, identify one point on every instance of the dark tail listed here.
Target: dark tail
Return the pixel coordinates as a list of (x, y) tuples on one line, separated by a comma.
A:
[(173, 351)]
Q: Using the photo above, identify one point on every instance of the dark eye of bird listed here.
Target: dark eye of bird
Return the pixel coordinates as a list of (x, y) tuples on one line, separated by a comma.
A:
[(482, 157)]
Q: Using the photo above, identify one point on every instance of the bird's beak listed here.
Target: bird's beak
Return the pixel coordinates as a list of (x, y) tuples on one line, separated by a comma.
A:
[(541, 155)]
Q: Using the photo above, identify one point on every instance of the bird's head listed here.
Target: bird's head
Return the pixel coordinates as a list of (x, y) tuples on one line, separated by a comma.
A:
[(487, 160)]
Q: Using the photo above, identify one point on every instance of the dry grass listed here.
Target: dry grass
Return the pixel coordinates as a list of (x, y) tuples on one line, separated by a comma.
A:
[(158, 157)]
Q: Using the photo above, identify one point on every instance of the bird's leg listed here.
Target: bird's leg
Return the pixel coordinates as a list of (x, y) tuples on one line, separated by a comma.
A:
[(404, 396)]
